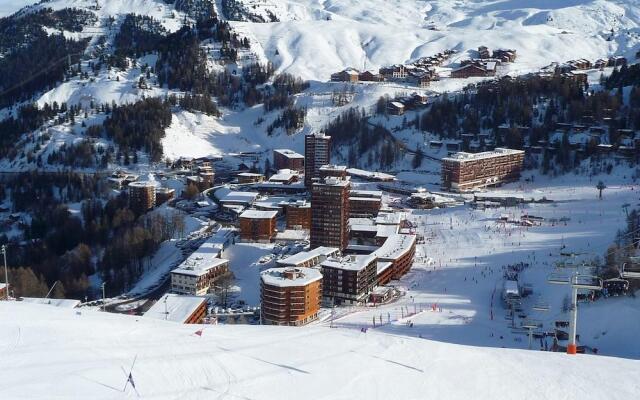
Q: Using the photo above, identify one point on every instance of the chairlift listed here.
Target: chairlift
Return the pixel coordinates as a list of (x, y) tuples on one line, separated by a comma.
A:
[(630, 271), (531, 324), (590, 282), (617, 281), (558, 279), (541, 306)]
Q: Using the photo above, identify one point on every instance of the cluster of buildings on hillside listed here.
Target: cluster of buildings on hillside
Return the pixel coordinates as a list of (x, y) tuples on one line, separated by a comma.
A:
[(486, 64), (419, 73), (145, 194)]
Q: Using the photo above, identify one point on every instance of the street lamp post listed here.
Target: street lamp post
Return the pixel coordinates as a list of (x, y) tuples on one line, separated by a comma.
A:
[(6, 273)]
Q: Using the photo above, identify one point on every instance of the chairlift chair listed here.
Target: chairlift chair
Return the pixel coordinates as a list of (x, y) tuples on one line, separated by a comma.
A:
[(558, 279), (630, 271)]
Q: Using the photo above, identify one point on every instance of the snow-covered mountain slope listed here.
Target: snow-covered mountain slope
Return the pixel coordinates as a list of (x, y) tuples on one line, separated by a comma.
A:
[(105, 8), (49, 352), (316, 38)]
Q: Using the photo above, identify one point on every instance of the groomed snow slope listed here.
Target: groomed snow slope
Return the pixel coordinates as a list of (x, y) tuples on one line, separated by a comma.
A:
[(55, 353)]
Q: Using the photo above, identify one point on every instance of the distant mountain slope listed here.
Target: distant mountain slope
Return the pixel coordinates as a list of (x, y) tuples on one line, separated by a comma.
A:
[(314, 38)]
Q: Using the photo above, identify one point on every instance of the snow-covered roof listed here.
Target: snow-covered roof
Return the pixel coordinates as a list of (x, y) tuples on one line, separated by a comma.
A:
[(175, 308), (464, 156), (250, 174), (395, 246), (305, 256), (284, 175), (290, 277), (363, 228), (366, 193), (292, 235), (288, 153), (383, 266), (258, 214), (361, 173), (62, 303), (206, 257), (240, 197), (144, 184), (386, 230), (361, 221), (393, 218), (353, 262), (333, 181), (376, 199), (511, 287), (333, 167)]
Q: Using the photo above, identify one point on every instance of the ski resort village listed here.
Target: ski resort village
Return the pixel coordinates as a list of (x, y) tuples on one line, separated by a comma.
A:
[(295, 199)]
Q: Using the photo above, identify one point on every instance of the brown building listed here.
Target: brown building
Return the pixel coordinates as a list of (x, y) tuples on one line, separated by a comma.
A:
[(249, 177), (465, 171), (164, 194), (483, 52), (288, 159), (316, 154), (142, 196), (201, 182), (397, 71), (399, 250), (4, 291), (364, 203), (368, 76), (339, 171), (505, 55), (395, 108), (330, 213), (298, 215), (348, 75), (258, 226), (474, 70), (290, 296), (349, 279), (197, 274)]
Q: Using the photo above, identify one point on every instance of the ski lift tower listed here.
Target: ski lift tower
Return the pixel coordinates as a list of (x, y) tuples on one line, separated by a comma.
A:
[(576, 281), (530, 325)]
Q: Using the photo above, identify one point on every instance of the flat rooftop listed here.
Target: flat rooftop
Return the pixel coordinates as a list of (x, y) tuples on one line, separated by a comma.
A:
[(361, 173), (305, 256), (175, 308), (239, 197), (290, 277), (464, 156), (395, 246), (206, 256), (366, 193), (289, 153), (353, 262), (60, 303), (389, 218), (258, 214)]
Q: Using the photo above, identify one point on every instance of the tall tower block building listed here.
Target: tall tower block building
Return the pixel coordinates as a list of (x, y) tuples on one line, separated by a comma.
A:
[(316, 154), (330, 213)]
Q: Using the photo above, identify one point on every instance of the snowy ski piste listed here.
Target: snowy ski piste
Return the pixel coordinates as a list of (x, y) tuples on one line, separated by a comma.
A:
[(56, 353)]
